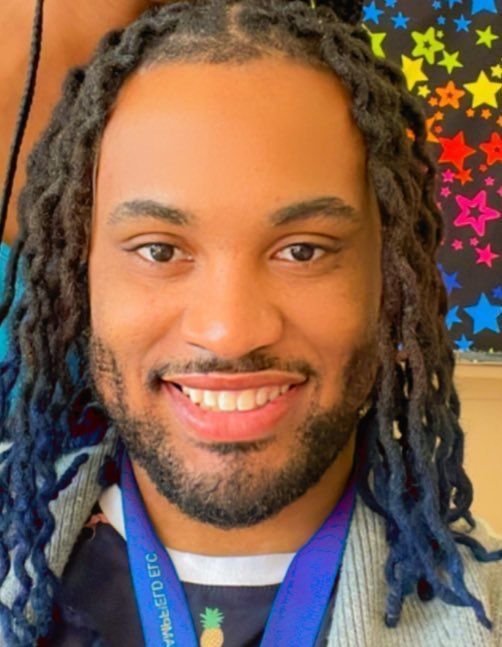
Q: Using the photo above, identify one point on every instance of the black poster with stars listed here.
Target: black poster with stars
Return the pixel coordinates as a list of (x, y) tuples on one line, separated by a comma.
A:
[(450, 53)]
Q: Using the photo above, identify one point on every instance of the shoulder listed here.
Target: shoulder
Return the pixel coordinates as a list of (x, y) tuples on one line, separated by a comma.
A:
[(358, 617)]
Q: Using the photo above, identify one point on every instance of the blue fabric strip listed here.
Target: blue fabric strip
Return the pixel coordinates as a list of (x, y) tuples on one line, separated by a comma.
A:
[(300, 604)]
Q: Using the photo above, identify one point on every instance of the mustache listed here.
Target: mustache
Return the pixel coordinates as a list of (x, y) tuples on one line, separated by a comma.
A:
[(252, 363)]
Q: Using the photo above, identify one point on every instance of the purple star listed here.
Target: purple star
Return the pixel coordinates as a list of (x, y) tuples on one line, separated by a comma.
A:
[(465, 216)]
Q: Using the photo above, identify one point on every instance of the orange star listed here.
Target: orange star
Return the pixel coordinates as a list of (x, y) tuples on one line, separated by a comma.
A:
[(469, 112), (486, 113), (438, 129), (450, 95), (429, 123), (432, 101), (438, 116), (464, 175), (493, 149)]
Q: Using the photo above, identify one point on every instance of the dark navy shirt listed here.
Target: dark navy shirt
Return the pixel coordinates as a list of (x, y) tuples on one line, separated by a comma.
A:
[(96, 604)]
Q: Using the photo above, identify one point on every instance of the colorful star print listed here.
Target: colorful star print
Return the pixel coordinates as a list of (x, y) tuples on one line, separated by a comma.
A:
[(485, 255), (486, 37), (484, 314), (493, 149), (427, 45), (449, 53), (483, 5), (463, 344), (452, 317), (450, 95), (455, 150), (483, 91), (412, 70), (468, 206)]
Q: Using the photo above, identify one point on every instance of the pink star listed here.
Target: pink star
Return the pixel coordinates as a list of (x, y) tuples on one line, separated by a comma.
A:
[(448, 175), (457, 244), (465, 216), (489, 181), (486, 255), (445, 191), (473, 242), (499, 190)]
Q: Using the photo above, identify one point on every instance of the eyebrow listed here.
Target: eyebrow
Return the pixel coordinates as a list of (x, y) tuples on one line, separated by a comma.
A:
[(331, 207)]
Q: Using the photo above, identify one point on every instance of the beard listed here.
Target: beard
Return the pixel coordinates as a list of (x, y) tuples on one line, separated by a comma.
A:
[(240, 494)]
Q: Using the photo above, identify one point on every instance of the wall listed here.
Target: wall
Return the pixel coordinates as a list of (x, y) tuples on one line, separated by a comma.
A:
[(480, 389)]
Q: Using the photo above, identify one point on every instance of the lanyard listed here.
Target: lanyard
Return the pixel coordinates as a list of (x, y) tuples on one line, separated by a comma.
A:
[(299, 606)]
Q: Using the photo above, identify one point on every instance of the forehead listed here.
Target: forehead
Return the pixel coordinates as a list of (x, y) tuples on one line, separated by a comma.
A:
[(231, 137)]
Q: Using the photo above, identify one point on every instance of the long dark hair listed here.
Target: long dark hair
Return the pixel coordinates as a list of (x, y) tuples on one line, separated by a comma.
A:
[(410, 438)]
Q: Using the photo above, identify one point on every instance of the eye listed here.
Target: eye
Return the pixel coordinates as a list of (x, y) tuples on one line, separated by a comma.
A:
[(306, 252), (157, 252)]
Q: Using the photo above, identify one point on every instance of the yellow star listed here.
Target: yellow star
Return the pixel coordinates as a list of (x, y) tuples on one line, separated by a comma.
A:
[(450, 61), (376, 42), (412, 70), (486, 37), (497, 71), (483, 91), (423, 91)]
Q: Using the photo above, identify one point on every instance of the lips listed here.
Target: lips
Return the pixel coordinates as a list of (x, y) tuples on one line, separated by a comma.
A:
[(234, 426), (240, 382)]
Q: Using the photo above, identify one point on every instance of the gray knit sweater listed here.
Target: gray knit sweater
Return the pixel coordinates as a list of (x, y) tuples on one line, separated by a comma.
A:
[(362, 590)]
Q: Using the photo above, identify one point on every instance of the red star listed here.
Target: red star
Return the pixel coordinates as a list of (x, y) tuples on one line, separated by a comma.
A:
[(455, 150), (486, 255), (465, 218), (493, 149), (457, 244)]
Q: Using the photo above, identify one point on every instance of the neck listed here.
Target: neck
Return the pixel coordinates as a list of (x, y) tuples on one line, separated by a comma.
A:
[(287, 532)]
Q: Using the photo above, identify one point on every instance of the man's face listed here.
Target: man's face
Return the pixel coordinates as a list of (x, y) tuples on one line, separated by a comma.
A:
[(220, 249)]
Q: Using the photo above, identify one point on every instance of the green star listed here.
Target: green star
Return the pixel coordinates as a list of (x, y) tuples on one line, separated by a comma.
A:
[(423, 91), (450, 61), (486, 37), (376, 42), (412, 70), (426, 44)]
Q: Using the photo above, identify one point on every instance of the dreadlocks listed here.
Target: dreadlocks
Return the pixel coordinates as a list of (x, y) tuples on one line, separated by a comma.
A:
[(409, 440)]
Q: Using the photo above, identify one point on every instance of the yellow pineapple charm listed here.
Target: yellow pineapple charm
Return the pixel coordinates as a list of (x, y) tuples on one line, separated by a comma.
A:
[(212, 636)]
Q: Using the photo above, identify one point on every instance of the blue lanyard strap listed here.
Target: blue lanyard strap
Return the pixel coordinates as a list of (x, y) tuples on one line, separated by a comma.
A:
[(300, 604)]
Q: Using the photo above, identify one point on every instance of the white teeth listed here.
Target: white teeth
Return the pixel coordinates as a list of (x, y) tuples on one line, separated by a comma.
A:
[(234, 400)]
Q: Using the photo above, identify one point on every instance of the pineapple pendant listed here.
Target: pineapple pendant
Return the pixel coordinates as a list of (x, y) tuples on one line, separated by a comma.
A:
[(212, 636)]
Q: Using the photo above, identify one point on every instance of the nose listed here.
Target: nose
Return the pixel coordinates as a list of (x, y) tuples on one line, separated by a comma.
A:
[(231, 314)]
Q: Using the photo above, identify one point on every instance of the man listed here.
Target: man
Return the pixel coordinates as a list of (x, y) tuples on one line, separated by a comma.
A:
[(228, 236)]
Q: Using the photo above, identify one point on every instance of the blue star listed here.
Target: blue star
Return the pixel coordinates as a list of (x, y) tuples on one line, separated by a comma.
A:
[(463, 343), (441, 20), (390, 3), (436, 4), (372, 13), (462, 23), (497, 292), (450, 281), (452, 317), (400, 21), (483, 5), (452, 3), (484, 314)]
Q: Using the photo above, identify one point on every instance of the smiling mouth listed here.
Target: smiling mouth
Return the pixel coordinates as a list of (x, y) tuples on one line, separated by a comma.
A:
[(233, 400)]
